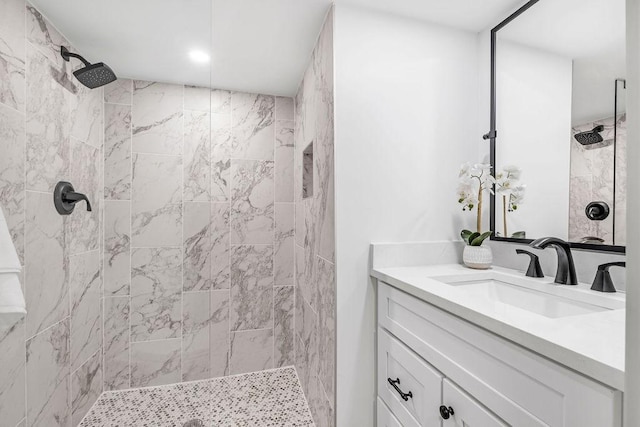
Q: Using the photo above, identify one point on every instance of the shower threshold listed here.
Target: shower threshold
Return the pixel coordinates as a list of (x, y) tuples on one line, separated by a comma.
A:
[(264, 398)]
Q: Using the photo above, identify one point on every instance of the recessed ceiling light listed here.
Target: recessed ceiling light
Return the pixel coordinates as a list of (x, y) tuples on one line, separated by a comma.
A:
[(199, 56)]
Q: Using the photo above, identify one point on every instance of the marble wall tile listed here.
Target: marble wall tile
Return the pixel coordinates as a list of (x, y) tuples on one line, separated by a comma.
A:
[(283, 259), (621, 182), (116, 343), (252, 200), (156, 292), (157, 117), (197, 156), (219, 333), (220, 249), (155, 362), (117, 152), (46, 266), (196, 319), (85, 288), (284, 161), (220, 156), (44, 36), (251, 287), (197, 246), (305, 279), (85, 172), (12, 169), (156, 201), (252, 126), (314, 231), (197, 98), (86, 387), (87, 116), (327, 325), (319, 404), (119, 92), (12, 386), (48, 125), (12, 54), (307, 331), (117, 247), (220, 101), (251, 351), (324, 167), (284, 108), (592, 178), (48, 377), (283, 326)]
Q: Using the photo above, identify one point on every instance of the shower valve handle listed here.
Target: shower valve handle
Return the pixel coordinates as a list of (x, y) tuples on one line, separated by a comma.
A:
[(65, 198)]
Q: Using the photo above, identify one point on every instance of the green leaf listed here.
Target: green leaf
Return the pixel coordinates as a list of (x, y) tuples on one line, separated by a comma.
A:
[(519, 235), (473, 236), (477, 241), (465, 235)]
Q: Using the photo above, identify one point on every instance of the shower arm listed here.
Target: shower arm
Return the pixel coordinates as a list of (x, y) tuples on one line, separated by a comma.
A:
[(66, 55)]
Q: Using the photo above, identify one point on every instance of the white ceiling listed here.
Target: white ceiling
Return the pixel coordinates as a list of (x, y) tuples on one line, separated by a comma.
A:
[(255, 45), (470, 15)]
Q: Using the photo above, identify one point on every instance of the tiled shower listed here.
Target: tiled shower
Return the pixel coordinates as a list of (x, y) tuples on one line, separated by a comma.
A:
[(200, 259)]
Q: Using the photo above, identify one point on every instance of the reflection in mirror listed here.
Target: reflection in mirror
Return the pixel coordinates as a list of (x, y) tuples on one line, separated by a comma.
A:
[(560, 150)]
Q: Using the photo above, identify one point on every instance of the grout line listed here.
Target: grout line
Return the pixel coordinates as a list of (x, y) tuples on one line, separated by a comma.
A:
[(24, 221), (131, 193)]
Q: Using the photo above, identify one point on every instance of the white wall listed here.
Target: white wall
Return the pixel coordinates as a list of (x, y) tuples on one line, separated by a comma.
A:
[(534, 131), (632, 356), (406, 118)]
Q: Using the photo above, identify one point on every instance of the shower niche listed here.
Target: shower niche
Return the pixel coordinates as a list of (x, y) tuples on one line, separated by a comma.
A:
[(558, 123)]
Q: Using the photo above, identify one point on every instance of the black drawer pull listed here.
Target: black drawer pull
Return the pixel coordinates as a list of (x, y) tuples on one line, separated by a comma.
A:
[(395, 384), (445, 412)]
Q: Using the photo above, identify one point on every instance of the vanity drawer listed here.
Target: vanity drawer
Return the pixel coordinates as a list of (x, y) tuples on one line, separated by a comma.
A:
[(385, 417), (397, 363), (517, 385)]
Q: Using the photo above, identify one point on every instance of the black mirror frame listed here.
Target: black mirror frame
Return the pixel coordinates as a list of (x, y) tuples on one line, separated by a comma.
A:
[(492, 135)]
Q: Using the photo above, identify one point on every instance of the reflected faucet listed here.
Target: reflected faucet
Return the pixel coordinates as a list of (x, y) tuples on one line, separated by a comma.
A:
[(566, 274)]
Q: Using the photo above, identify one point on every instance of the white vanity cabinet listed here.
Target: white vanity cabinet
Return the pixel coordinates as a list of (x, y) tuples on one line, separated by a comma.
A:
[(430, 360)]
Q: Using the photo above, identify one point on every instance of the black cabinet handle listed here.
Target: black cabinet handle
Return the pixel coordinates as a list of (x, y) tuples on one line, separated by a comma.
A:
[(395, 383), (445, 412)]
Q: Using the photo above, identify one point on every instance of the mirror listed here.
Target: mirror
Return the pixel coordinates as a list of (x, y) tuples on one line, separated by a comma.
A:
[(558, 122)]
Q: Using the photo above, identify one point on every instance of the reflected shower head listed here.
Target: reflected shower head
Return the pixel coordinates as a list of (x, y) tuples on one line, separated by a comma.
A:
[(91, 75), (591, 136)]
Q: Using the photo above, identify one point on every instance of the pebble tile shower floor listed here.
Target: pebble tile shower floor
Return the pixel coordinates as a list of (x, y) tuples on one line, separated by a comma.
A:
[(271, 398)]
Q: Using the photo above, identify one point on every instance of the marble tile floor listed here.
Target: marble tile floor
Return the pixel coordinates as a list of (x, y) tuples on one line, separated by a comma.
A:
[(271, 398)]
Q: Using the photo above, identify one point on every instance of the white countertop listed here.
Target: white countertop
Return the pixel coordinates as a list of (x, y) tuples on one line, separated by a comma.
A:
[(592, 344)]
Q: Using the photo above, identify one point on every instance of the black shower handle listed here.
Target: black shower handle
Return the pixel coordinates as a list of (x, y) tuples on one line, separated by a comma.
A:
[(73, 197), (65, 198)]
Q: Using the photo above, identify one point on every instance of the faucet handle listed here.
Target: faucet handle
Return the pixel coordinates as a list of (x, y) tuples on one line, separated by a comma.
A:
[(602, 281), (534, 270)]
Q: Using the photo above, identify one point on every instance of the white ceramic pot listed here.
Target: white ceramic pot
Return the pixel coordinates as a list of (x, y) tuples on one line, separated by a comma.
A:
[(478, 257)]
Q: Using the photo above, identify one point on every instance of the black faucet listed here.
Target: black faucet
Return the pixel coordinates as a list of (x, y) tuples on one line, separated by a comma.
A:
[(566, 274), (602, 281)]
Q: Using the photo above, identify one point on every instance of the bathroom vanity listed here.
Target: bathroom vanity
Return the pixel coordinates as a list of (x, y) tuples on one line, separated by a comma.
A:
[(460, 347)]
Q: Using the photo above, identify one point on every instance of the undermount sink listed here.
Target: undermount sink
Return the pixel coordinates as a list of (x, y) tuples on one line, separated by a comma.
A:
[(537, 296)]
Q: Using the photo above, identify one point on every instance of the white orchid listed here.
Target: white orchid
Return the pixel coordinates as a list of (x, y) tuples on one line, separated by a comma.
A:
[(516, 197), (473, 181), (512, 192), (507, 179)]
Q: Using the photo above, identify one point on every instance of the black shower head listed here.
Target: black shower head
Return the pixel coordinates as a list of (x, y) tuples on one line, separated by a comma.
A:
[(91, 75), (591, 136)]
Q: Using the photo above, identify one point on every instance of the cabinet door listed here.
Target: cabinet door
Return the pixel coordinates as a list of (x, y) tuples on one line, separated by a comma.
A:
[(410, 387), (385, 417), (467, 412)]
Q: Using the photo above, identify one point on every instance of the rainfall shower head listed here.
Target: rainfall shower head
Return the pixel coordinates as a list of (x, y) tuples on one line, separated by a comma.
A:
[(591, 136), (91, 75)]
